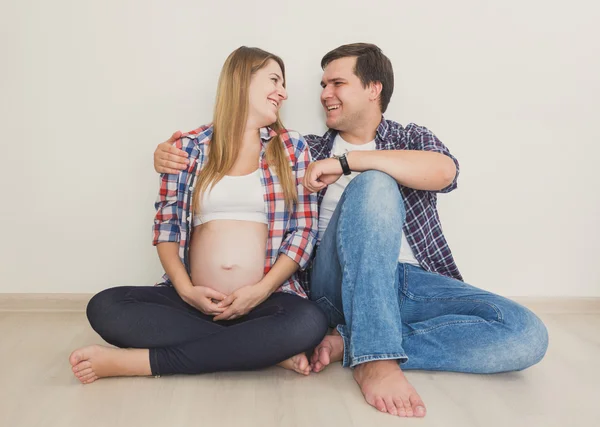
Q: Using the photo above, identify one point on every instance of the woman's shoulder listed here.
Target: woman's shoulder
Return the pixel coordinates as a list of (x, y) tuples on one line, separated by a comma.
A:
[(292, 138), (195, 137)]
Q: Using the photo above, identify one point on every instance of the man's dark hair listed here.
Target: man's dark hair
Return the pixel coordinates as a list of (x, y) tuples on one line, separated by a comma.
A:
[(371, 66)]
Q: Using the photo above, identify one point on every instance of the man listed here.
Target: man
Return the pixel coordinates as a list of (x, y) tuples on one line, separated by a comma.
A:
[(383, 271)]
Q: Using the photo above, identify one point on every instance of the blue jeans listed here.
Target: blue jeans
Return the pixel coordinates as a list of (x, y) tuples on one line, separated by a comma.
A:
[(387, 310)]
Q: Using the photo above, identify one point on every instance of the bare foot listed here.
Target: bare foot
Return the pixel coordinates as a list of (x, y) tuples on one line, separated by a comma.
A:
[(330, 350), (298, 363), (95, 361), (386, 388)]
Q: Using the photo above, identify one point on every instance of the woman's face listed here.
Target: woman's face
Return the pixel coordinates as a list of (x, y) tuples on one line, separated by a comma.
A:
[(266, 95)]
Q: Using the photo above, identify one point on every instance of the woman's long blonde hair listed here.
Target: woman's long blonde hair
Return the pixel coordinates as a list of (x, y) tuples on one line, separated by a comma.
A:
[(229, 122)]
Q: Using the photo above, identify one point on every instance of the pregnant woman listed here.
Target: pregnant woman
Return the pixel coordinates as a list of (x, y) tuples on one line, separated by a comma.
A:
[(231, 231)]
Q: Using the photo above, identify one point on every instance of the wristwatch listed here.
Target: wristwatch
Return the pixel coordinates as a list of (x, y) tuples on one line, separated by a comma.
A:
[(344, 162)]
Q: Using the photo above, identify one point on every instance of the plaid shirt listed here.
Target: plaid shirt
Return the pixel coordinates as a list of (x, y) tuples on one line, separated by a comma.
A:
[(292, 234), (422, 227)]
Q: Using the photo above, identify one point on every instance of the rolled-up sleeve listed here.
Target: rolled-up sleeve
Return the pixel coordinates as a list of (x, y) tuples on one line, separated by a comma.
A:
[(166, 220), (421, 138), (302, 232)]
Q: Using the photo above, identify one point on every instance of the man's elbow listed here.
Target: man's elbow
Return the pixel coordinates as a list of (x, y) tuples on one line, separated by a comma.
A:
[(447, 173)]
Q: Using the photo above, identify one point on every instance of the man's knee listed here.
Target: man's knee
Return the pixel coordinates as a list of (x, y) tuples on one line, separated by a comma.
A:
[(529, 341), (375, 193), (372, 181)]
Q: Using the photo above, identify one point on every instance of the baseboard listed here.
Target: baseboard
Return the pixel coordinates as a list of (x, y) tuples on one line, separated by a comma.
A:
[(78, 302), (44, 302)]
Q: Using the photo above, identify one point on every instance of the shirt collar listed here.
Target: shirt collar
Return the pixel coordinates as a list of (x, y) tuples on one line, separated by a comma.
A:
[(266, 134), (382, 129)]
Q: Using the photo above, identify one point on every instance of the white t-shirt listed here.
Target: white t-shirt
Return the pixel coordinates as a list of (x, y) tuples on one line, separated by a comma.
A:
[(335, 190)]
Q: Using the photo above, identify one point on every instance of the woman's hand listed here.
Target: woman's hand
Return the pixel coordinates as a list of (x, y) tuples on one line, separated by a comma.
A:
[(204, 299), (242, 301)]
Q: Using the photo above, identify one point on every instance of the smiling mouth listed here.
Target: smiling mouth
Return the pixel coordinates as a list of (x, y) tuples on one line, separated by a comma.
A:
[(333, 107), (275, 103)]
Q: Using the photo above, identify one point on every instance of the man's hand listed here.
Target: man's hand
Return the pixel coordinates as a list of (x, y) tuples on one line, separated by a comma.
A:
[(242, 301), (322, 173), (168, 158), (203, 298)]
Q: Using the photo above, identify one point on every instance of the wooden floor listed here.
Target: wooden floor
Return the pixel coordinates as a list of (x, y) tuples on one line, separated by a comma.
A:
[(38, 389)]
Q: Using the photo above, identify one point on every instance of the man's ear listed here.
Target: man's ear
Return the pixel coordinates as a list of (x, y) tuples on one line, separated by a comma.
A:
[(375, 90)]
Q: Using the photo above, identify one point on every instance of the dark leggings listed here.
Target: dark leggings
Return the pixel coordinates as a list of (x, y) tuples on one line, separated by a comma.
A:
[(182, 340)]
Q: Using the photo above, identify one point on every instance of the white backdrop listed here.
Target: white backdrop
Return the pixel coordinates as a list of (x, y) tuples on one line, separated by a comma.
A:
[(90, 88)]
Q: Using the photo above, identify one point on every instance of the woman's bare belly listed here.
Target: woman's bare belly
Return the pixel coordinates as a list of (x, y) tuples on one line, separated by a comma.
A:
[(226, 254)]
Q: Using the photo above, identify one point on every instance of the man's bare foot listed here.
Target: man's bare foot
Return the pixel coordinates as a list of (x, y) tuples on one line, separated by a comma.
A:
[(330, 350), (298, 363), (96, 361), (386, 388)]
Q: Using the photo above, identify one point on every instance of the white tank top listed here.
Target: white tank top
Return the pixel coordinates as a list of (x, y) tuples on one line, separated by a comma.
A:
[(234, 197)]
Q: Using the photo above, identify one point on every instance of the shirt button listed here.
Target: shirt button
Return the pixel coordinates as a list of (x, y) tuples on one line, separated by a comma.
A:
[(191, 187)]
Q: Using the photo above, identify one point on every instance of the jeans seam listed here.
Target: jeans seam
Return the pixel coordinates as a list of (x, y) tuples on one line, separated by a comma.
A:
[(453, 322), (329, 303), (425, 299), (341, 256), (345, 341), (401, 303)]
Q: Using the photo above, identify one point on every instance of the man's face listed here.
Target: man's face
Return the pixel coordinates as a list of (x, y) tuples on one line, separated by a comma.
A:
[(343, 97)]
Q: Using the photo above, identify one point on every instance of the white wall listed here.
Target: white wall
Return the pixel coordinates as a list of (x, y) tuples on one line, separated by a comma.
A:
[(89, 89)]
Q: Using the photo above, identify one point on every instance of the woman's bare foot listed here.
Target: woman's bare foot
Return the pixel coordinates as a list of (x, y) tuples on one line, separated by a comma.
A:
[(330, 350), (298, 363), (96, 361), (386, 388)]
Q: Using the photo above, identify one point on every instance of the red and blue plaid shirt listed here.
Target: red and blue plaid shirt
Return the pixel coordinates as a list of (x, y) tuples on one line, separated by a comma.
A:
[(292, 234), (422, 227)]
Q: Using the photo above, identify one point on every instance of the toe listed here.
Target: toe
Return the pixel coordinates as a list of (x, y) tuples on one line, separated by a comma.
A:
[(84, 372), (82, 365), (324, 356), (408, 408), (390, 406), (418, 406), (314, 358), (400, 407), (302, 363), (420, 411), (75, 358), (87, 377), (91, 380), (380, 404)]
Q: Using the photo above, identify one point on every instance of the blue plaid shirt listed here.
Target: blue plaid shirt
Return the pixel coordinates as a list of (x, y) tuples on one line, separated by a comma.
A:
[(422, 227)]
